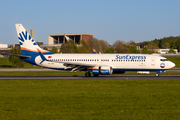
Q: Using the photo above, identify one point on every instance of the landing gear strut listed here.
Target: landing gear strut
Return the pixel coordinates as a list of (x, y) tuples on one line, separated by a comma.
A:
[(87, 74), (157, 72)]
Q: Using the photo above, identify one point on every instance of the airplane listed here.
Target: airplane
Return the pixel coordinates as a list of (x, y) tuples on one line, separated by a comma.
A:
[(97, 64)]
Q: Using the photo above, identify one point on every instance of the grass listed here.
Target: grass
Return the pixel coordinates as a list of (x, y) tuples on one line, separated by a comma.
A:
[(90, 99), (4, 63), (174, 59)]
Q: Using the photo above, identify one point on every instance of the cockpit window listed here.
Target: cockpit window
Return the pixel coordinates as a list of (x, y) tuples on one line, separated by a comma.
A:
[(163, 59)]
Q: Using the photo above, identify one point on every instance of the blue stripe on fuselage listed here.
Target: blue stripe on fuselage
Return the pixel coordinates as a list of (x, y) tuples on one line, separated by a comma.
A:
[(130, 69), (33, 56)]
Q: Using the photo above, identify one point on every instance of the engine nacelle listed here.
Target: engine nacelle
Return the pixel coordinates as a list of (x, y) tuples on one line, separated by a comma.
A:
[(95, 71), (104, 70)]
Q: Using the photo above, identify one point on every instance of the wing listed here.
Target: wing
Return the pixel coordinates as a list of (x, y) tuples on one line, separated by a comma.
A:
[(21, 56), (76, 66)]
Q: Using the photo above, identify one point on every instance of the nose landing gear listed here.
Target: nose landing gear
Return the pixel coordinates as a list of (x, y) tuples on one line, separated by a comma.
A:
[(157, 72), (157, 75)]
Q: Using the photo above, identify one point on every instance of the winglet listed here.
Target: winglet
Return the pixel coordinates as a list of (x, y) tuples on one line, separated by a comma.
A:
[(94, 51)]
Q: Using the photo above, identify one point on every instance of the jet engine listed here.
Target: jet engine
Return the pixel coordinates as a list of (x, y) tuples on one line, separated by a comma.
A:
[(106, 70), (103, 70)]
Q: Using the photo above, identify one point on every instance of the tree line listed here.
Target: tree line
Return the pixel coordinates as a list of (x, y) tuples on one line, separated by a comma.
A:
[(99, 45), (147, 47), (163, 43)]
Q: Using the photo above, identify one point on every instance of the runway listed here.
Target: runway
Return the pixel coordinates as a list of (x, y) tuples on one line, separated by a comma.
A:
[(165, 77)]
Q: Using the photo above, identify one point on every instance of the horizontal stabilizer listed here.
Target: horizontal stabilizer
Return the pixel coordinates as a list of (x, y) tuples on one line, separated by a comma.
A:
[(21, 56)]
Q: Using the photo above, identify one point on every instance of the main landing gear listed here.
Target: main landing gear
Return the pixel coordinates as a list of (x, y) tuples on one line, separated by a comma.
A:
[(87, 74)]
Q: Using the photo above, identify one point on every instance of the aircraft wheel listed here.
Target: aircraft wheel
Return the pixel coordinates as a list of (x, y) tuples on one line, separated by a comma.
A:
[(96, 75), (157, 75), (87, 74)]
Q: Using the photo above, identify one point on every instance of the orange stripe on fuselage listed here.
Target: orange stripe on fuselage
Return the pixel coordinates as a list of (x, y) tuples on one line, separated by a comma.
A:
[(43, 51), (95, 68)]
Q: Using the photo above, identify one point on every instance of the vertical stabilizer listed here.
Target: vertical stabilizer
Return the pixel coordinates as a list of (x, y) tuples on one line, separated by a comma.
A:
[(94, 51), (28, 45)]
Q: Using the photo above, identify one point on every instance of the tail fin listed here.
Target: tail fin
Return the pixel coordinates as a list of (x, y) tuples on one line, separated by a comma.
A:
[(94, 51), (28, 45)]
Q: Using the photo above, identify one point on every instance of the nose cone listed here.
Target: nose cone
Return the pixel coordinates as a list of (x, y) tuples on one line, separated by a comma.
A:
[(171, 64)]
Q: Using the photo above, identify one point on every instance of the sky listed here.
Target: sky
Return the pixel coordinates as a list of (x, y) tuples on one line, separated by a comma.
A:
[(109, 20)]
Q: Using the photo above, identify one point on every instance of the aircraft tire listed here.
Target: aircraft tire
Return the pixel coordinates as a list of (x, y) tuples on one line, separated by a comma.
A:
[(87, 74), (157, 75), (96, 75)]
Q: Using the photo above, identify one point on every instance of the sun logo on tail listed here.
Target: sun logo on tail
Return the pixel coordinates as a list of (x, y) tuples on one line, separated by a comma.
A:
[(24, 37)]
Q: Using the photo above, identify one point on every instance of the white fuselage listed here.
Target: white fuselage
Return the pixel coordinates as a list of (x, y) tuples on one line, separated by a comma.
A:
[(127, 62)]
